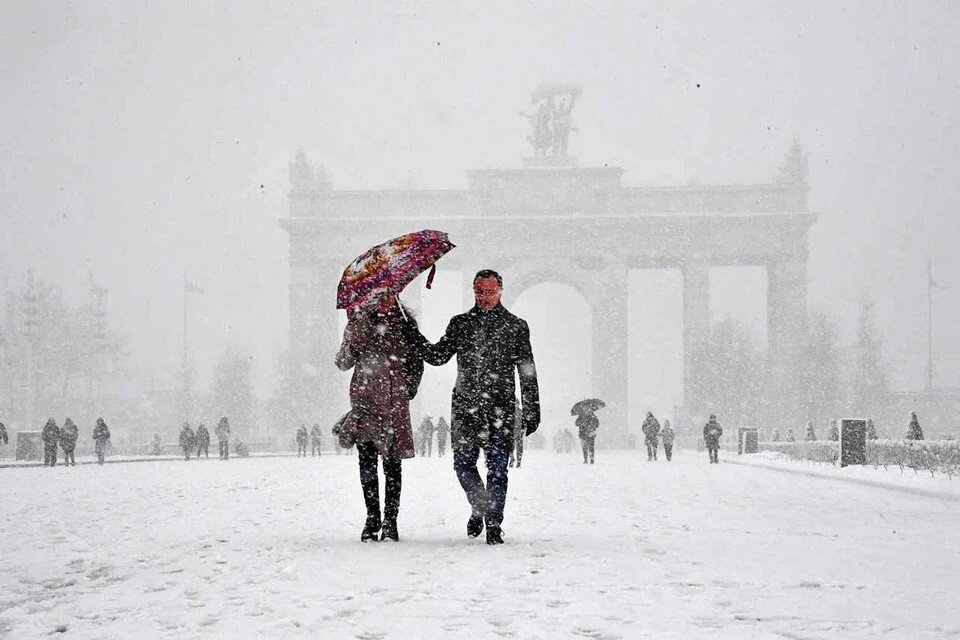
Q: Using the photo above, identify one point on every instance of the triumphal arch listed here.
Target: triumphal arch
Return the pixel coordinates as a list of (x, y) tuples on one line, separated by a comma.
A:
[(551, 220)]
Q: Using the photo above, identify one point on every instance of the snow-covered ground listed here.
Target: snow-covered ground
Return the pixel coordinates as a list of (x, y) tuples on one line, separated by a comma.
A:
[(269, 548)]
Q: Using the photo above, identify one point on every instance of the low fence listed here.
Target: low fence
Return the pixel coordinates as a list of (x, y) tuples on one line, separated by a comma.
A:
[(932, 456)]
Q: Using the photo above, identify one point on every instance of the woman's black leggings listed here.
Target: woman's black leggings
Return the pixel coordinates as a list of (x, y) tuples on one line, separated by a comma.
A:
[(370, 482)]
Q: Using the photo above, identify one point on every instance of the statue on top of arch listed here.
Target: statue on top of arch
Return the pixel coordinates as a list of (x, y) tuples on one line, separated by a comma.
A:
[(795, 165), (551, 123), (303, 176)]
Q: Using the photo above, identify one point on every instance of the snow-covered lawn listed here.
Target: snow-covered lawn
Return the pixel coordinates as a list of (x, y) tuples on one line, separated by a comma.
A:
[(270, 548)]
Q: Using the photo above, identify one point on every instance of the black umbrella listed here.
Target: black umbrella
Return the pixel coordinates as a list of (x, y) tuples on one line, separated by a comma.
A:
[(587, 406)]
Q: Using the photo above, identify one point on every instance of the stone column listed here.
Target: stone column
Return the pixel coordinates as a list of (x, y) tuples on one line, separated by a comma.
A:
[(786, 323), (696, 328), (610, 293)]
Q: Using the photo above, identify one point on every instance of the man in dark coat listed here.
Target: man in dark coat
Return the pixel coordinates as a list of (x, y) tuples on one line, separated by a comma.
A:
[(101, 437), (425, 437), (68, 441), (316, 439), (914, 432), (188, 441), (223, 437), (443, 432), (651, 430), (491, 344), (587, 426), (302, 438), (203, 441), (711, 437), (3, 434), (50, 436)]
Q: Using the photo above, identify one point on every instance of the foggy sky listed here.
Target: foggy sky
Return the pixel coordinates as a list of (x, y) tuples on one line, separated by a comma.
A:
[(138, 140)]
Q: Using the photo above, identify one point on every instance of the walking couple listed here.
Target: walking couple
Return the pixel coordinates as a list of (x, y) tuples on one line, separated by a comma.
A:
[(386, 351)]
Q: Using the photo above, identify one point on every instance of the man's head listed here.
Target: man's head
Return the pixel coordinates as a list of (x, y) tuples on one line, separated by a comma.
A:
[(487, 289)]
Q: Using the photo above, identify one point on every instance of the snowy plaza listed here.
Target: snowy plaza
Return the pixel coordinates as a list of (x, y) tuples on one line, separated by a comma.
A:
[(269, 548)]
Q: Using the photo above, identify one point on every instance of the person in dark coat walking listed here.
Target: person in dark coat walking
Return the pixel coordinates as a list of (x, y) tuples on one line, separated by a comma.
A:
[(425, 436), (775, 436), (811, 435), (668, 436), (491, 345), (3, 434), (914, 432), (316, 439), (443, 432), (871, 430), (68, 441), (382, 347), (203, 441), (223, 437), (790, 436), (651, 429), (188, 441), (302, 438), (101, 438), (711, 437), (50, 436), (587, 426)]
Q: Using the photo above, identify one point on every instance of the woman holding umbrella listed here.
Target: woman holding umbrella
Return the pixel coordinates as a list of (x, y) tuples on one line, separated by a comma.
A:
[(587, 424), (381, 343)]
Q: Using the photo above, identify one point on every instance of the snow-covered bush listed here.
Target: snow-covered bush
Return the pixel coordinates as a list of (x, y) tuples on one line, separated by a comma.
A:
[(934, 456)]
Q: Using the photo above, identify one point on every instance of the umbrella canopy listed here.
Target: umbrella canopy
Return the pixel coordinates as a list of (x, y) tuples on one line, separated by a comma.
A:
[(587, 406), (389, 267)]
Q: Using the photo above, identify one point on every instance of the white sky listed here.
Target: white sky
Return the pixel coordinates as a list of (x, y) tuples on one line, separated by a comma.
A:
[(139, 139)]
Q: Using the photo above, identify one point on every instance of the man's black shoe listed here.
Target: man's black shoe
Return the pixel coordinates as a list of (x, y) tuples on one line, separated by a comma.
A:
[(494, 535), (474, 526), (389, 531)]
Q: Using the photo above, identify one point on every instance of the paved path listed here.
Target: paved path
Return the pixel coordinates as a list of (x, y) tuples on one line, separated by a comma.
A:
[(622, 549)]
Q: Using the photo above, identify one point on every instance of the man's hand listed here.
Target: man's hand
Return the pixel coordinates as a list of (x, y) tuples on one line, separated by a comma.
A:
[(530, 427)]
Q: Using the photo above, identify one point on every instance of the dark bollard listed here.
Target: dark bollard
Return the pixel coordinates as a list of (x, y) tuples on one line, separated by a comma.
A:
[(853, 442)]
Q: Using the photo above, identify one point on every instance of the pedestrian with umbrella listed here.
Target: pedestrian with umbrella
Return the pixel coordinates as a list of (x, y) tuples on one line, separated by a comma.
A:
[(381, 343), (587, 424)]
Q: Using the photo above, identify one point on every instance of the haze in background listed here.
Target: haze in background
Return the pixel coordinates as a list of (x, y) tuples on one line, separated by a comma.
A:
[(138, 141)]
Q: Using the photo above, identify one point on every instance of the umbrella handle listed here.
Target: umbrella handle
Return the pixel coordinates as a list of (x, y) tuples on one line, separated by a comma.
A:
[(433, 272)]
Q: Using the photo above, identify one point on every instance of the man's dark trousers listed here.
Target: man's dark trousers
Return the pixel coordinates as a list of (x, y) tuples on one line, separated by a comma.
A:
[(490, 500)]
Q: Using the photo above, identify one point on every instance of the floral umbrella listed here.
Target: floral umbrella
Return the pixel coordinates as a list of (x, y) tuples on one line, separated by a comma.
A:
[(389, 267)]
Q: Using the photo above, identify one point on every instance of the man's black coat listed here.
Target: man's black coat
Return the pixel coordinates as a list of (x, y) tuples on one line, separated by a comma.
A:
[(490, 346)]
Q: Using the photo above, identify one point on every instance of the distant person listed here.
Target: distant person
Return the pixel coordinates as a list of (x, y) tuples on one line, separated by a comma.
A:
[(156, 448), (567, 440), (668, 436), (587, 425), (914, 432), (871, 430), (68, 441), (811, 435), (302, 438), (101, 438), (711, 437), (558, 441), (3, 434), (316, 439), (51, 437), (188, 441), (203, 441), (425, 436), (651, 429), (834, 434), (443, 433), (775, 437), (790, 436), (223, 437), (516, 453)]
